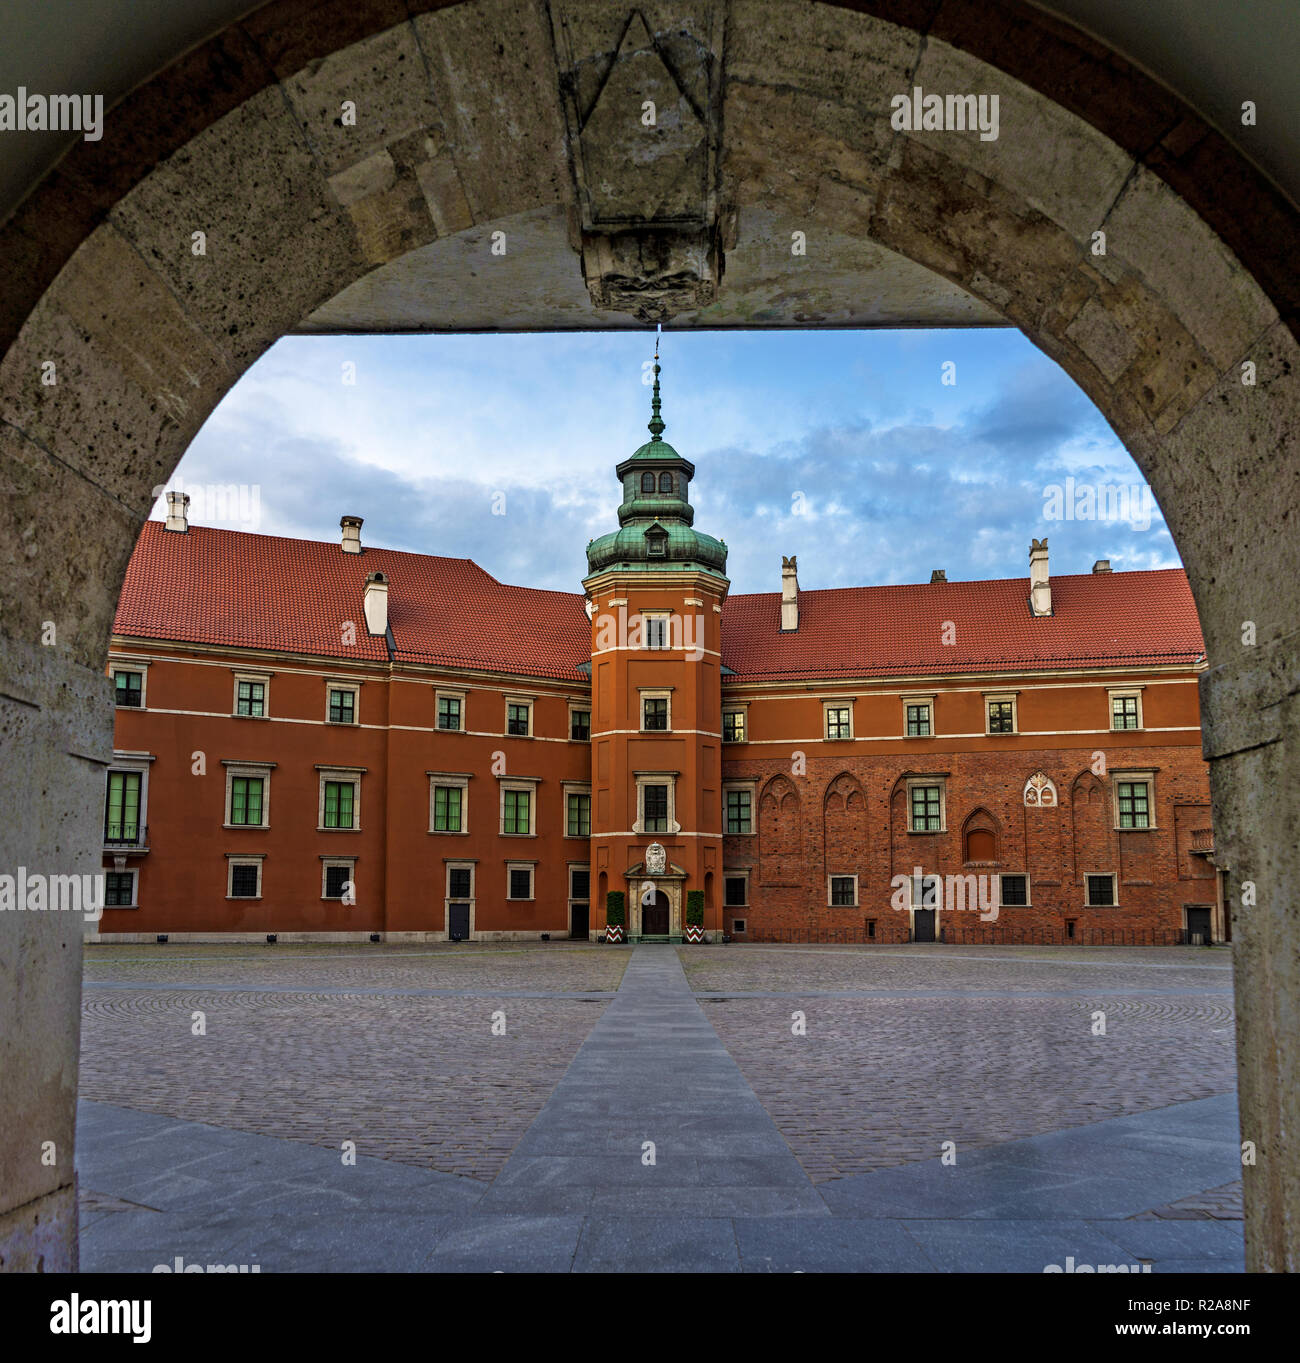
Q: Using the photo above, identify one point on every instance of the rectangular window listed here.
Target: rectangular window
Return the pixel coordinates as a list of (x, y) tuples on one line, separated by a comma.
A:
[(656, 809), (458, 882), (579, 883), (521, 882), (918, 721), (119, 889), (733, 726), (1124, 712), (246, 800), (739, 812), (926, 809), (250, 698), (449, 712), (339, 796), (736, 891), (1101, 892), (446, 809), (1015, 890), (838, 721), (518, 811), (1134, 807), (243, 880), (128, 688), (517, 720), (842, 890), (122, 816), (337, 879), (343, 707), (655, 712), (580, 725), (1002, 717), (738, 925), (656, 631), (578, 824)]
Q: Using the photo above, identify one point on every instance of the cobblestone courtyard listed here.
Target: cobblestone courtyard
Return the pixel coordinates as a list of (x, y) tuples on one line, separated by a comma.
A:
[(903, 1048)]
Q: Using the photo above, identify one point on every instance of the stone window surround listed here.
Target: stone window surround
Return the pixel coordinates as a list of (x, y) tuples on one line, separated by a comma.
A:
[(1127, 774), (656, 778), (1029, 893), (573, 788), (922, 780), (1007, 697), (124, 663), (134, 873), (251, 769), (458, 780), (926, 698), (579, 707), (739, 873), (752, 788), (832, 876), (529, 866), (451, 864), (344, 776), (656, 614), (837, 703), (740, 707), (645, 693), (578, 866), (528, 783), (450, 693), (333, 684), (325, 864), (127, 762), (234, 859), (517, 699), (1114, 693), (244, 675), (1114, 890)]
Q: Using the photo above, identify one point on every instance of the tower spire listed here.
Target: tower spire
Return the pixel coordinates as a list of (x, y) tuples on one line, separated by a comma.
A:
[(656, 422)]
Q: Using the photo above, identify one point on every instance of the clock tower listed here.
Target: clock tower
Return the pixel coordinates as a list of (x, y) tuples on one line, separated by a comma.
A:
[(656, 587)]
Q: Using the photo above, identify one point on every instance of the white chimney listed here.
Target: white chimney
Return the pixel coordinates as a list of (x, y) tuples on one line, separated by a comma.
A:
[(1040, 588), (1102, 565), (351, 526), (789, 593), (377, 603), (178, 512)]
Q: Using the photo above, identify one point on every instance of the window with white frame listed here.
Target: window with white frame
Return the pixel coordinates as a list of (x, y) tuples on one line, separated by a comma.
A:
[(656, 711), (1014, 890), (519, 718), (925, 805), (734, 724), (577, 809), (340, 798), (129, 685), (519, 880), (1134, 798), (448, 801), (126, 799), (450, 711), (918, 717), (841, 891), (252, 694), (341, 702), (838, 718), (119, 890), (244, 876), (338, 879), (518, 808), (655, 803), (738, 805), (248, 794), (579, 724), (655, 629), (1099, 890), (735, 889), (1000, 713), (1125, 709)]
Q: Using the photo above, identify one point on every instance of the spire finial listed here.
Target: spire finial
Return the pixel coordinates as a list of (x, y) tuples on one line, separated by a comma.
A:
[(656, 422)]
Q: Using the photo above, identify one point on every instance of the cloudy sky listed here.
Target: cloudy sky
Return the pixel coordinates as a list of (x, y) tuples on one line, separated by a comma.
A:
[(845, 448)]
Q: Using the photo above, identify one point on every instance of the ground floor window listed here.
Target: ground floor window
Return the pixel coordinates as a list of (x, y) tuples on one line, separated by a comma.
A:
[(735, 890), (1101, 891), (843, 890), (119, 889)]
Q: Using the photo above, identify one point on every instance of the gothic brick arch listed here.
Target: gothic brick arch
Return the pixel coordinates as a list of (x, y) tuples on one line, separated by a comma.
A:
[(980, 836), (238, 138), (844, 826)]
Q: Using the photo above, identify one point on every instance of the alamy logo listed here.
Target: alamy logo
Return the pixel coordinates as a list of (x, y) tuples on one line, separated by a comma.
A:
[(24, 113), (38, 893), (919, 112), (91, 1317), (668, 631), (948, 894)]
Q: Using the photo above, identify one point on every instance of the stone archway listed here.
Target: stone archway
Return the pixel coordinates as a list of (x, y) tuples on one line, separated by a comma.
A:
[(228, 204)]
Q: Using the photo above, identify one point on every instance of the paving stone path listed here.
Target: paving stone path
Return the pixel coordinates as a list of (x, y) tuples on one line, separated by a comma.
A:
[(653, 1153)]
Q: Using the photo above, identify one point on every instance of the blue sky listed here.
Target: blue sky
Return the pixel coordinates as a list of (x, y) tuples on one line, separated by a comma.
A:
[(843, 447)]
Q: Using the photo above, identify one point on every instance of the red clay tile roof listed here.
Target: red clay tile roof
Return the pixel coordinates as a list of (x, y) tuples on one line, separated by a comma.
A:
[(293, 596), (1098, 620)]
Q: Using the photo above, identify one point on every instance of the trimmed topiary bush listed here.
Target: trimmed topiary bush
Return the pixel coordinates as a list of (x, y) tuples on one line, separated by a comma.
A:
[(695, 907), (615, 911)]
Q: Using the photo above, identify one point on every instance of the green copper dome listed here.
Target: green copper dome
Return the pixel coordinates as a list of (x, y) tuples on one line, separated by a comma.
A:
[(656, 516)]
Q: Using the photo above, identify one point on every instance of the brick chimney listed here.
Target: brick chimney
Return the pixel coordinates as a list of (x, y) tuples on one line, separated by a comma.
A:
[(178, 512), (939, 575), (789, 594), (351, 527), (376, 602), (1040, 587), (1102, 565)]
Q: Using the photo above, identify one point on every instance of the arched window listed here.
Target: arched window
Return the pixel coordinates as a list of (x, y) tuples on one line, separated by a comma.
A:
[(665, 482), (647, 482)]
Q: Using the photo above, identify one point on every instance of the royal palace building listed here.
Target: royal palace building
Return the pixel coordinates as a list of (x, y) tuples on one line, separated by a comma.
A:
[(337, 741)]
